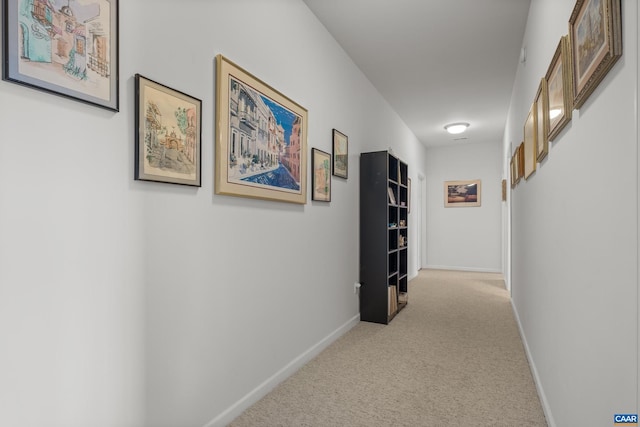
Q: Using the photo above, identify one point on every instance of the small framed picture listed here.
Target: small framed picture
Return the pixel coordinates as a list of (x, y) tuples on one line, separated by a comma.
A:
[(340, 154), (254, 159), (321, 175), (168, 134), (462, 193), (64, 48)]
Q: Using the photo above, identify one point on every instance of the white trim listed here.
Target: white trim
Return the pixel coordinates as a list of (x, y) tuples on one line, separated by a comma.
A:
[(458, 268), (635, 105), (534, 372), (270, 383)]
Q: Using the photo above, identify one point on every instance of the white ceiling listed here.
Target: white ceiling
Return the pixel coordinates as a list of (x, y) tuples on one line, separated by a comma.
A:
[(435, 61)]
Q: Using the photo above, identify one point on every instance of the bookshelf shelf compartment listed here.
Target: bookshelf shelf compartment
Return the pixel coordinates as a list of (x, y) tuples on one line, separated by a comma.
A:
[(383, 236)]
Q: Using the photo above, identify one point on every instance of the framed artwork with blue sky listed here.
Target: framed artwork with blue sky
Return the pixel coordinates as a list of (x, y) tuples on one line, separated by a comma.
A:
[(261, 139)]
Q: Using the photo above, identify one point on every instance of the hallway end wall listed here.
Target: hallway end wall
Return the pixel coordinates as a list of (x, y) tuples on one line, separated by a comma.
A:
[(464, 238)]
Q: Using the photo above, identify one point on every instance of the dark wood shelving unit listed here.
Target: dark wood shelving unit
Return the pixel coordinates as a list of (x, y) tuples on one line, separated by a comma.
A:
[(383, 236)]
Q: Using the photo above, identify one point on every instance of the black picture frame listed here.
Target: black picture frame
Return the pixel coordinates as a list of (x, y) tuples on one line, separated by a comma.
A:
[(340, 164), (71, 52), (168, 137)]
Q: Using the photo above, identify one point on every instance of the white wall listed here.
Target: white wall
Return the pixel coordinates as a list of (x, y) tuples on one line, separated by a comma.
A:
[(464, 238), (127, 303), (575, 235)]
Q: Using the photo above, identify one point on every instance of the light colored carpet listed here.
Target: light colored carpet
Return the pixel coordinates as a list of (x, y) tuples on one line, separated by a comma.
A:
[(452, 357)]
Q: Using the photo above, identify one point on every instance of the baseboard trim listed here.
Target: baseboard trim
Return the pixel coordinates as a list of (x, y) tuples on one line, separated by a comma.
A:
[(260, 391), (457, 268), (534, 371)]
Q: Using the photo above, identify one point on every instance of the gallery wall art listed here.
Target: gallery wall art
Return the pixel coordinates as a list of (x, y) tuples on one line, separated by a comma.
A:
[(168, 134), (261, 138), (321, 175), (595, 32), (464, 193), (68, 48)]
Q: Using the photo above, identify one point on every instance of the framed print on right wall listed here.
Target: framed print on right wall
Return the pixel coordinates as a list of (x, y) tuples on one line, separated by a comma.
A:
[(541, 103), (530, 142), (595, 32), (559, 89)]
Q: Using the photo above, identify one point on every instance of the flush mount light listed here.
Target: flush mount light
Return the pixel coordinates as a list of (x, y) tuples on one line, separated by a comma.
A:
[(454, 128)]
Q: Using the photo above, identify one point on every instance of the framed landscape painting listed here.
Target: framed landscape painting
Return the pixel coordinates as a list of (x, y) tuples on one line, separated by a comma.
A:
[(321, 175), (67, 48), (595, 32), (340, 154), (559, 89), (168, 134), (462, 193), (261, 138)]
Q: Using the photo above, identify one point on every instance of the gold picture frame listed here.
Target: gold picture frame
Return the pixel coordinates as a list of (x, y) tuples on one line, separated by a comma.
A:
[(529, 146), (595, 32), (542, 123), (520, 162), (465, 193), (320, 175), (559, 89), (261, 138)]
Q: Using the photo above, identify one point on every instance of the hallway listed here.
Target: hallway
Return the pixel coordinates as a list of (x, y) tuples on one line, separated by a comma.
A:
[(452, 357)]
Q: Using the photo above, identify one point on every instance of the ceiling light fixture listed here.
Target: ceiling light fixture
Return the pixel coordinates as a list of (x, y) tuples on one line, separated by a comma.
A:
[(455, 128)]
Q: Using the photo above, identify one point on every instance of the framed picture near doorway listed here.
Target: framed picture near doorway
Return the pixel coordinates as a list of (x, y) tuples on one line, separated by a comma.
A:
[(462, 193), (64, 48)]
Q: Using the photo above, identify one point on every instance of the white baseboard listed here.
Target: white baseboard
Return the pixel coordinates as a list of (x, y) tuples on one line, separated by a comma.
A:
[(536, 378), (458, 268), (260, 391)]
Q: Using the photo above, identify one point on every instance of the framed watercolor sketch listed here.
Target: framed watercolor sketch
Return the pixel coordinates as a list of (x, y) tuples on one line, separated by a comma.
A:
[(462, 193), (595, 32), (67, 48), (559, 89), (542, 114), (321, 175), (261, 138), (529, 150), (168, 134), (340, 154)]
